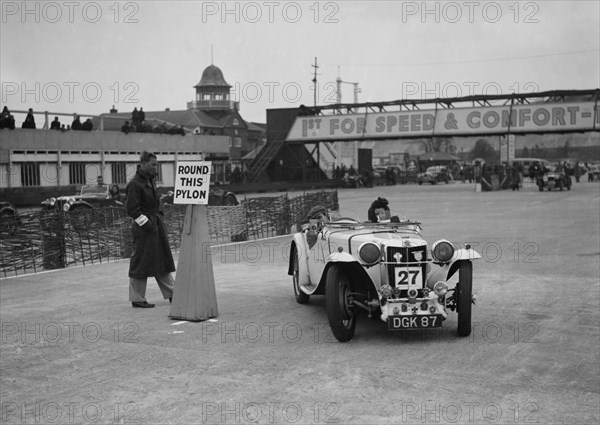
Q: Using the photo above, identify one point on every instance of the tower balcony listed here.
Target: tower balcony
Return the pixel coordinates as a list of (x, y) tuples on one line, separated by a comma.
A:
[(213, 104)]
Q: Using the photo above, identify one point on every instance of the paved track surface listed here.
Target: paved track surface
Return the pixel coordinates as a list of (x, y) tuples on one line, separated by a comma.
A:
[(74, 351)]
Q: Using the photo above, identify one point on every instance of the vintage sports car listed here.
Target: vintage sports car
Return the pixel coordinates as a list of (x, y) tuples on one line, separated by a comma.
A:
[(433, 175), (385, 269), (90, 197), (554, 177)]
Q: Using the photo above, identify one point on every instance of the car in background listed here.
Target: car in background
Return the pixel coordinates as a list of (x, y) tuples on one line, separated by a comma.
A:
[(380, 176), (555, 176), (79, 207), (594, 173), (88, 198), (434, 175), (525, 164)]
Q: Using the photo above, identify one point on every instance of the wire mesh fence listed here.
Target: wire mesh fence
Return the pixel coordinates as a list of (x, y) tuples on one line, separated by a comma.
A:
[(44, 240)]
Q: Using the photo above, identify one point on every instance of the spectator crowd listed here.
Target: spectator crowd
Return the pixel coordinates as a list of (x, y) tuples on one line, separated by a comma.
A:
[(139, 124)]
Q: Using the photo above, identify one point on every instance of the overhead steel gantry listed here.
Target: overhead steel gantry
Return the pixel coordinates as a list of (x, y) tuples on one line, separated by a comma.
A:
[(554, 96), (558, 111)]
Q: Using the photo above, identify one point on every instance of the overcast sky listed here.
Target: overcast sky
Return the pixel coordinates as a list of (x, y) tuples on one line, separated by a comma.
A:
[(87, 56)]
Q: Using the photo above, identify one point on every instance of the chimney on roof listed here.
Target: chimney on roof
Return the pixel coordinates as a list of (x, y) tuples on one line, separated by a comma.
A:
[(167, 109), (113, 110)]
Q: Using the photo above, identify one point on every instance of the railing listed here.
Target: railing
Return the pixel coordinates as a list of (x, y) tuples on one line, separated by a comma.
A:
[(213, 104)]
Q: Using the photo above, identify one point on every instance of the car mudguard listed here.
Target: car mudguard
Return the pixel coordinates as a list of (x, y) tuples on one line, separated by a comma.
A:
[(298, 245), (355, 271), (446, 270), (81, 204)]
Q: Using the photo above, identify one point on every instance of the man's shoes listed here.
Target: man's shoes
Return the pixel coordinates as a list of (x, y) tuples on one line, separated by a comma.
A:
[(142, 304), (170, 300)]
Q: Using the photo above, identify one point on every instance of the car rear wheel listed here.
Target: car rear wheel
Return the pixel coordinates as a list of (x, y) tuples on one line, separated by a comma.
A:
[(464, 294), (342, 318), (301, 297)]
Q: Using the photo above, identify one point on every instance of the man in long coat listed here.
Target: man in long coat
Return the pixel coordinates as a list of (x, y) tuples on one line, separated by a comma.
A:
[(151, 252)]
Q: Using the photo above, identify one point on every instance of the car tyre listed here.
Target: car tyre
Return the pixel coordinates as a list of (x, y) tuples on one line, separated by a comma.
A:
[(464, 293), (342, 318), (301, 297)]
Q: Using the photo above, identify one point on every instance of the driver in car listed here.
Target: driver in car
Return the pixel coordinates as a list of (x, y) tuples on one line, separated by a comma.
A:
[(317, 217), (319, 213), (379, 212)]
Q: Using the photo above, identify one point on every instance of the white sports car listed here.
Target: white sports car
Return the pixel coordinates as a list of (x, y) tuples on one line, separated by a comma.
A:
[(385, 269)]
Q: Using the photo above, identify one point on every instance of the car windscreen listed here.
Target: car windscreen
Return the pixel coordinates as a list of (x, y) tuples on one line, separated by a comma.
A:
[(94, 190)]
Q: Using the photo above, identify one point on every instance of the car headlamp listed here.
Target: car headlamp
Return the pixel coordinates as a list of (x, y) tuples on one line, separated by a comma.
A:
[(71, 201), (386, 291), (369, 253), (442, 251), (66, 207), (52, 202), (440, 288)]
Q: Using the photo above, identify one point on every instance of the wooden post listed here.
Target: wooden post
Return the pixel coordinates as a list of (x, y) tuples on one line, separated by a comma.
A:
[(194, 295)]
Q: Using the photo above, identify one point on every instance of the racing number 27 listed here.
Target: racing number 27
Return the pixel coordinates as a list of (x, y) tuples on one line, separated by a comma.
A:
[(404, 276)]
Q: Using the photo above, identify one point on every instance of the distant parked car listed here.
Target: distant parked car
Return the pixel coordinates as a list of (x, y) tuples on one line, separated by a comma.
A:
[(554, 177), (90, 197), (79, 206), (433, 175), (594, 173)]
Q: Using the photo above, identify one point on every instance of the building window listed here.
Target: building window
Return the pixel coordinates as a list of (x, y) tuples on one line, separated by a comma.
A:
[(76, 173), (206, 96), (30, 174), (158, 178), (237, 142), (119, 173), (218, 96), (236, 121)]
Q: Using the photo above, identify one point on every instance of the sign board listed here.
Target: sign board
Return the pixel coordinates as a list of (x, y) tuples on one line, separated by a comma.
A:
[(529, 118), (507, 148), (192, 182)]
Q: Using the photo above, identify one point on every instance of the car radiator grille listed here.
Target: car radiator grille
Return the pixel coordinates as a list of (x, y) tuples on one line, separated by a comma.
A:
[(408, 260)]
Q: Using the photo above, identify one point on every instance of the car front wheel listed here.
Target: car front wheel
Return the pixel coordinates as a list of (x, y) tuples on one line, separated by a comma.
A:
[(301, 297), (464, 292), (342, 318)]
